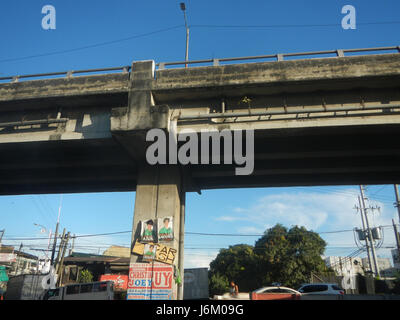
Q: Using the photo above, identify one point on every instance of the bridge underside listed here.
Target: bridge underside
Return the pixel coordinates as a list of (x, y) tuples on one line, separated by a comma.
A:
[(283, 157), (68, 166), (330, 122)]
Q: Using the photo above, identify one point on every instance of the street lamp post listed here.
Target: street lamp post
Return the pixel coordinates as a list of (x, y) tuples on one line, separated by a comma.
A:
[(43, 228), (183, 8)]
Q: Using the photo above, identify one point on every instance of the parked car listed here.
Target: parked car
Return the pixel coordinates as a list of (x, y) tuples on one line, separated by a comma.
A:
[(321, 288), (275, 293), (229, 296)]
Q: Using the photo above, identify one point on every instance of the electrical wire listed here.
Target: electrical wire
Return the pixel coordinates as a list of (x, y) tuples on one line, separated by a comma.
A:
[(347, 258), (186, 233), (89, 46), (191, 26), (289, 25), (41, 212), (349, 193)]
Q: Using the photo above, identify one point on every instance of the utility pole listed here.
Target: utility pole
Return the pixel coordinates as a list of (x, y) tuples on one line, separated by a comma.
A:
[(183, 8), (60, 266), (366, 238), (56, 234), (59, 250), (369, 233), (18, 258), (73, 245), (2, 234), (397, 204), (397, 236)]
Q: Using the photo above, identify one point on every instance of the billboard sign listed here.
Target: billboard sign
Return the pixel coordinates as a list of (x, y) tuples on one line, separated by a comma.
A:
[(8, 257), (150, 281), (158, 252), (120, 281)]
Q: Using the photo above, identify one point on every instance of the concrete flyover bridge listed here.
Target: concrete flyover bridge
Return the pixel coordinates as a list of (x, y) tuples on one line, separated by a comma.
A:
[(319, 118)]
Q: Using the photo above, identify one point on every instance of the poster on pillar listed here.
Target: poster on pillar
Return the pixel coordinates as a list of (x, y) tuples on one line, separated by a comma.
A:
[(150, 282), (165, 227), (147, 231), (149, 252), (162, 253)]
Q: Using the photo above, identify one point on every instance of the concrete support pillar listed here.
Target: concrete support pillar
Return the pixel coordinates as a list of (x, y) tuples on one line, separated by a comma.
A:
[(159, 194), (159, 191)]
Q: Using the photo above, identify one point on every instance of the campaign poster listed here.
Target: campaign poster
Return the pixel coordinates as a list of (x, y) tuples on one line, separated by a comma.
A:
[(162, 253), (149, 252), (147, 232), (165, 229), (150, 281)]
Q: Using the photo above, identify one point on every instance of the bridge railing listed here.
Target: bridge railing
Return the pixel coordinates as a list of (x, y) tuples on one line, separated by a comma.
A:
[(71, 73), (280, 56), (215, 62)]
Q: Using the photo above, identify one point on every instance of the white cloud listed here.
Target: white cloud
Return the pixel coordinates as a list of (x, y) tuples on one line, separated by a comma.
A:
[(316, 211), (252, 230), (199, 259), (312, 210), (228, 218)]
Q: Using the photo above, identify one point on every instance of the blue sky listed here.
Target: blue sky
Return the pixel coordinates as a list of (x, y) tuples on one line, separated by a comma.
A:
[(215, 32)]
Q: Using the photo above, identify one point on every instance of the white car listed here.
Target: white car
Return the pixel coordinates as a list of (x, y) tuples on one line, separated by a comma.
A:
[(228, 296), (275, 293), (321, 288)]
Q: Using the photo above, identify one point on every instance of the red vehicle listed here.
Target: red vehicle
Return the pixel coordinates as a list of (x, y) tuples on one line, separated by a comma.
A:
[(275, 293)]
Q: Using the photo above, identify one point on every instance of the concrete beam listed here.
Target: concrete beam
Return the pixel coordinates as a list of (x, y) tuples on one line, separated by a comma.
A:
[(130, 125), (104, 84), (277, 77)]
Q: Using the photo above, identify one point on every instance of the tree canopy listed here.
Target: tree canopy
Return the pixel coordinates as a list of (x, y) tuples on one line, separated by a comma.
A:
[(287, 256)]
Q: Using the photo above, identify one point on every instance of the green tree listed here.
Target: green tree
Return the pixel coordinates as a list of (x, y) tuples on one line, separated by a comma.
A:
[(218, 284), (85, 276), (289, 256), (238, 263), (280, 255)]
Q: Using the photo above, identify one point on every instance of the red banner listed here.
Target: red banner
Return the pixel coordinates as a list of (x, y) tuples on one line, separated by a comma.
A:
[(120, 281), (150, 282)]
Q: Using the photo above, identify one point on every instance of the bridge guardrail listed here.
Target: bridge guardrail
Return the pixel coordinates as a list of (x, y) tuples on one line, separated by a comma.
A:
[(124, 69), (339, 53), (279, 57)]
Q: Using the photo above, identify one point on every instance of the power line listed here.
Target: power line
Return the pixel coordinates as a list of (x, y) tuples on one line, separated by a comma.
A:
[(46, 209), (50, 209), (89, 46), (290, 25), (81, 236), (187, 233), (349, 193), (192, 26), (346, 259), (44, 216)]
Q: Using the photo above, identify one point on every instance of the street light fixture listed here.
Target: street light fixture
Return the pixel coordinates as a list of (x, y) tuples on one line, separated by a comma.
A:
[(43, 228), (183, 8)]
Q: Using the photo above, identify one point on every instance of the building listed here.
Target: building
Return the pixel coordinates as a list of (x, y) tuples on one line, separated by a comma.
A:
[(17, 262), (117, 251), (114, 265), (345, 266), (396, 259), (98, 265), (385, 266)]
